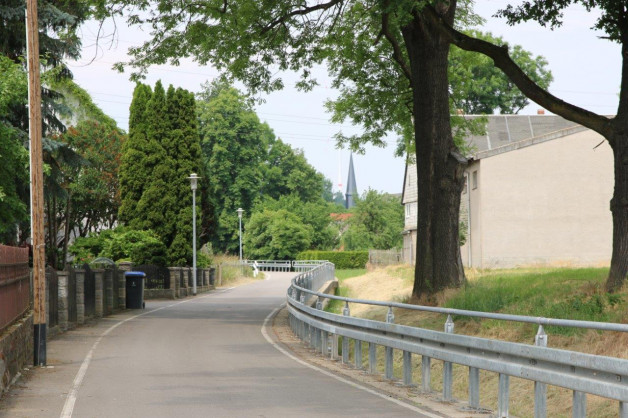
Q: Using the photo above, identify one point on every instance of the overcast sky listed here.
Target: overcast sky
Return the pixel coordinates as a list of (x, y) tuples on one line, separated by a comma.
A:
[(586, 73)]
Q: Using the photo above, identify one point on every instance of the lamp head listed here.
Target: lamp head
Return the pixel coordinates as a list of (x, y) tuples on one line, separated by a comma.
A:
[(240, 210), (193, 181)]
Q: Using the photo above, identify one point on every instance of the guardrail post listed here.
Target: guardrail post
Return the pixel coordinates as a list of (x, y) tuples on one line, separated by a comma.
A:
[(357, 354), (407, 368), (579, 404), (388, 371), (503, 395), (334, 346), (623, 409), (312, 336), (426, 376), (324, 343), (474, 387), (540, 389), (345, 340), (447, 366), (372, 358)]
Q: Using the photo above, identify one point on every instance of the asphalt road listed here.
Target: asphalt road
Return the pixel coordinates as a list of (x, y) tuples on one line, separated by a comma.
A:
[(200, 357)]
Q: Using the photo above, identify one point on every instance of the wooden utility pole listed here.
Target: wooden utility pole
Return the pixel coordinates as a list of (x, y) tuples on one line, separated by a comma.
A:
[(37, 184)]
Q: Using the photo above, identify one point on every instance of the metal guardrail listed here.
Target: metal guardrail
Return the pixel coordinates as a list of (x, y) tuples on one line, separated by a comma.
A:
[(582, 373)]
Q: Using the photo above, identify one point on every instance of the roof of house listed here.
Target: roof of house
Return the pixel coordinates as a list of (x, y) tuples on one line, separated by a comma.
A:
[(505, 129), (504, 133)]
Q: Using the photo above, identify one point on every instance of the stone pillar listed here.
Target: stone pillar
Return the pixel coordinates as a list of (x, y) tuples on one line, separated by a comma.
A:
[(63, 300), (80, 296), (175, 284), (184, 284), (122, 268), (98, 283)]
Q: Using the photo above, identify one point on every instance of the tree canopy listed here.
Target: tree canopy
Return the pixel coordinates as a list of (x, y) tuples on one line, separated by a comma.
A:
[(390, 59), (162, 151)]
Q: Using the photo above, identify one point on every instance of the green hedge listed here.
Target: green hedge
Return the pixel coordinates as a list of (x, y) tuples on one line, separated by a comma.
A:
[(342, 259)]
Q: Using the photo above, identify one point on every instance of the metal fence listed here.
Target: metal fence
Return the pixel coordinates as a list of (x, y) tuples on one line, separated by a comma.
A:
[(157, 277), (90, 291), (385, 257), (582, 373), (14, 284)]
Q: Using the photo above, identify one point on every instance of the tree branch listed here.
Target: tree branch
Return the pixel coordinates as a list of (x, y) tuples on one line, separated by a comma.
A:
[(299, 12), (503, 61), (397, 55)]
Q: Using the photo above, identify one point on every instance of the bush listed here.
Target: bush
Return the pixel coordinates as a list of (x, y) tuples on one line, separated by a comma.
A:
[(341, 259), (121, 244)]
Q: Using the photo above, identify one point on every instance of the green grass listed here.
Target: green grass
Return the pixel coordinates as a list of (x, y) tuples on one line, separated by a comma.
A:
[(348, 273), (336, 306), (552, 293)]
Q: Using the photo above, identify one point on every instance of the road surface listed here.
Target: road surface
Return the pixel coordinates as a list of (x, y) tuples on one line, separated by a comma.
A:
[(208, 356)]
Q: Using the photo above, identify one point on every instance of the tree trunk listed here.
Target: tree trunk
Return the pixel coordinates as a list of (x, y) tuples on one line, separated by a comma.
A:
[(619, 208), (440, 168)]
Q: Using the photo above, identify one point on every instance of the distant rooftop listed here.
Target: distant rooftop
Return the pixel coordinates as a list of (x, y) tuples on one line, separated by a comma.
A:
[(505, 129)]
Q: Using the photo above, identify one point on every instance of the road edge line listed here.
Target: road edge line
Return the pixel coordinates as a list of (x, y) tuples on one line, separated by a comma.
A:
[(330, 374)]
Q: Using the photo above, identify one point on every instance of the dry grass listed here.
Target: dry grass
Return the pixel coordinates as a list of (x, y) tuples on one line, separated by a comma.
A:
[(395, 284)]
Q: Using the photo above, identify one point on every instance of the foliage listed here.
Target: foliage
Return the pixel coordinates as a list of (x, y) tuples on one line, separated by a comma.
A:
[(287, 172), (133, 169), (315, 213), (341, 259), (252, 170), (95, 196), (121, 244), (13, 155), (275, 235), (234, 144), (376, 224), (376, 52), (162, 151)]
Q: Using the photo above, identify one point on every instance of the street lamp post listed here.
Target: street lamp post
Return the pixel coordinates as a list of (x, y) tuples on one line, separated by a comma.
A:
[(193, 183), (240, 210)]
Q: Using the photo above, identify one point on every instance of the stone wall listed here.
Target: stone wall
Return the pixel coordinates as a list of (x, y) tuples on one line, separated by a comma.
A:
[(16, 350)]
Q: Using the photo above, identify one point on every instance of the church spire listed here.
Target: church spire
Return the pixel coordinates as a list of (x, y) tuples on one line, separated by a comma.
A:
[(352, 189)]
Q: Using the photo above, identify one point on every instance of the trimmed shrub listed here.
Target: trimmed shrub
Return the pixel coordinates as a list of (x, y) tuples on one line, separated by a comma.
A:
[(342, 259)]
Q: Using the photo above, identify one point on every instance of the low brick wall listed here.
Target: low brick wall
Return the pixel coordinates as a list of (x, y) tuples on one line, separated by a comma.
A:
[(159, 294), (16, 350)]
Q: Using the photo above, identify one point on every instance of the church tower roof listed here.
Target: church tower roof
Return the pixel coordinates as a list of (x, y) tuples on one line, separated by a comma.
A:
[(352, 189)]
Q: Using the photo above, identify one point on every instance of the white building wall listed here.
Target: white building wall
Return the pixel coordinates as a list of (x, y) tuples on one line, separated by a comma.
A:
[(544, 204)]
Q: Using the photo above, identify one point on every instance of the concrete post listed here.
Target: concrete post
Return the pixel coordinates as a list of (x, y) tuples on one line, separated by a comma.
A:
[(175, 283), (63, 300)]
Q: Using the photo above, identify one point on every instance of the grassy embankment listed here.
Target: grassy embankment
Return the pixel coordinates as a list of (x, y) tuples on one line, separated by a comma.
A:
[(546, 292), (232, 273)]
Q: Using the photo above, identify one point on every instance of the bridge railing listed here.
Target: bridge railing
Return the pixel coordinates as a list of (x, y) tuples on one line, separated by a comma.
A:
[(582, 373)]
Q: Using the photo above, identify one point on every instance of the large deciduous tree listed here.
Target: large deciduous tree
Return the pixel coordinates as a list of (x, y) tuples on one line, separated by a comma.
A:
[(402, 54), (613, 20)]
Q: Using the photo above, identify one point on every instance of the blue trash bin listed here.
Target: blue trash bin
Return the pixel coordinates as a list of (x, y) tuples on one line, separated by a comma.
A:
[(135, 289)]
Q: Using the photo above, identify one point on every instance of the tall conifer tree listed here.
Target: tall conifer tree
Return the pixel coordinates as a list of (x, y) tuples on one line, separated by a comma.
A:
[(133, 169)]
